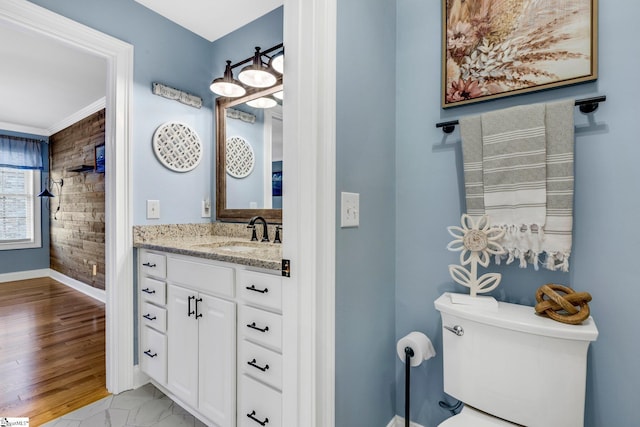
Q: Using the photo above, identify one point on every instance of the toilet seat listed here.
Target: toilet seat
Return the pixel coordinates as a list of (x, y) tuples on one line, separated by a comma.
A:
[(471, 417)]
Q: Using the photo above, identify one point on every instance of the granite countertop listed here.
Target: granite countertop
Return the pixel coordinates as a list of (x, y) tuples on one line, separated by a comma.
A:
[(220, 242)]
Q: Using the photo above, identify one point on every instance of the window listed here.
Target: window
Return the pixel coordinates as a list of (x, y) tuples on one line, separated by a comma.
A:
[(19, 209)]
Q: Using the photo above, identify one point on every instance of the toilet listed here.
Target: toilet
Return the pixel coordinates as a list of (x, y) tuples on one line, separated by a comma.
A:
[(510, 366)]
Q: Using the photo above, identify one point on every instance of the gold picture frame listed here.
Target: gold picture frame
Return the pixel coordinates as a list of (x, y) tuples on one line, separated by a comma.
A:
[(497, 48)]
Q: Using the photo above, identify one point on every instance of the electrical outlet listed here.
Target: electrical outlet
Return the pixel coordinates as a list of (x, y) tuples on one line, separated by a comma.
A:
[(350, 210), (153, 209)]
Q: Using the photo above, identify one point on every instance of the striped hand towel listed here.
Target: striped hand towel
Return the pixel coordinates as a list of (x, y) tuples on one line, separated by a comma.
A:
[(514, 173), (559, 223), (518, 168)]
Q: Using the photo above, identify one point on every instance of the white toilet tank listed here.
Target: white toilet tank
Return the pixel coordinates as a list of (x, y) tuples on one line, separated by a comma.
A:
[(514, 364)]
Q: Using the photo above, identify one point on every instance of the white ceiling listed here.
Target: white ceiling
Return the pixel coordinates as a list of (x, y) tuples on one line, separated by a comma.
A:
[(211, 19), (46, 85), (44, 82)]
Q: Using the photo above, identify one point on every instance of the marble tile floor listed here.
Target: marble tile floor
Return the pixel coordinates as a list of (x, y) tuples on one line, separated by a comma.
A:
[(143, 407)]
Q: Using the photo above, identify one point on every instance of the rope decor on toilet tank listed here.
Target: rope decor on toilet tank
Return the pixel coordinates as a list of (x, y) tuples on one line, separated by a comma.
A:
[(476, 242), (571, 308)]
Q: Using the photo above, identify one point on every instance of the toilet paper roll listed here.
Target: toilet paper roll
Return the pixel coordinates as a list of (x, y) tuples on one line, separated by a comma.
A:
[(419, 343)]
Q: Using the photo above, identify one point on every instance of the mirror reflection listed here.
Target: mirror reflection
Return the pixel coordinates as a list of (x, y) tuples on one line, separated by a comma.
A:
[(249, 156)]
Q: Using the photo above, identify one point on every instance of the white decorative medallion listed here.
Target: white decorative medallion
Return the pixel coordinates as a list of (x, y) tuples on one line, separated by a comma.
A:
[(477, 243), (177, 146), (239, 157)]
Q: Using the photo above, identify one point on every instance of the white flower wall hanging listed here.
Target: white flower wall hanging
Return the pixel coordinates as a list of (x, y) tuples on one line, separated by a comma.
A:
[(476, 242)]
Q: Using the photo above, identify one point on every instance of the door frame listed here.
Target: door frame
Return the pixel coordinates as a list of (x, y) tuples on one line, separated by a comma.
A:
[(309, 211), (118, 239)]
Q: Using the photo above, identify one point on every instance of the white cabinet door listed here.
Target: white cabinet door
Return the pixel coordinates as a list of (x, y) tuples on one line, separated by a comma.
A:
[(217, 386), (182, 340)]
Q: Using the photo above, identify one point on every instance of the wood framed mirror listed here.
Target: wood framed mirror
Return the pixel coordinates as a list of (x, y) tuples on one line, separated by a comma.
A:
[(252, 183)]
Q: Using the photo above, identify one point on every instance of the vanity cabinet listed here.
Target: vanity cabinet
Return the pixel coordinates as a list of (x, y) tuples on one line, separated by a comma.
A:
[(202, 337), (259, 349), (152, 309), (211, 337)]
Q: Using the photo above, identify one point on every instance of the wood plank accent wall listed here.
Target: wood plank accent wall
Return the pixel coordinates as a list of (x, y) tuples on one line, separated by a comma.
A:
[(77, 230)]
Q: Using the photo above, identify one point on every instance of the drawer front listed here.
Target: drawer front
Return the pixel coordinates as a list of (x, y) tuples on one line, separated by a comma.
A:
[(153, 264), (261, 327), (153, 354), (200, 276), (261, 289), (258, 403), (154, 316), (153, 290), (260, 363)]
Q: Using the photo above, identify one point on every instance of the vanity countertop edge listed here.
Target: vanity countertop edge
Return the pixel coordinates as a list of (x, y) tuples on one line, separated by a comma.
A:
[(203, 241)]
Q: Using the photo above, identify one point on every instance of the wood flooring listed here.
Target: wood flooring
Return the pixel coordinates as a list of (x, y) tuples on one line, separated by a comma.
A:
[(52, 350)]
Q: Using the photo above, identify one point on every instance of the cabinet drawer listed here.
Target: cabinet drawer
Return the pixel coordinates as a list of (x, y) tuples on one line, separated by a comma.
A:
[(260, 363), (261, 327), (258, 403), (153, 355), (153, 290), (261, 289), (153, 264), (201, 276), (154, 316)]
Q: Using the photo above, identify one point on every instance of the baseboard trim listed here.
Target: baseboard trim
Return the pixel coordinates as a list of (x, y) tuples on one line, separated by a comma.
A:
[(24, 275), (94, 293), (398, 421), (139, 377)]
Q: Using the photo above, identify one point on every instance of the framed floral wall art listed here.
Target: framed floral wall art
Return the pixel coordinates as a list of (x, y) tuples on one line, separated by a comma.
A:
[(496, 48)]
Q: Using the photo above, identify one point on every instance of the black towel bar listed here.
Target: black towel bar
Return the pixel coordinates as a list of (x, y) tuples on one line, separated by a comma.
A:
[(587, 105)]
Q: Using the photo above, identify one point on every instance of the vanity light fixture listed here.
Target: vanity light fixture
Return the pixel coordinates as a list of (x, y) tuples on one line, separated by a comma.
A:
[(262, 102), (256, 74), (262, 72), (277, 62), (227, 85)]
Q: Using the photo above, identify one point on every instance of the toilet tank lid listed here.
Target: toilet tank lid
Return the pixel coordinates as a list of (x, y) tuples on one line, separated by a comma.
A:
[(519, 318)]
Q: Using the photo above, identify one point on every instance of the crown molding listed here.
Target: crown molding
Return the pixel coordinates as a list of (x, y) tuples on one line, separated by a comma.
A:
[(78, 115)]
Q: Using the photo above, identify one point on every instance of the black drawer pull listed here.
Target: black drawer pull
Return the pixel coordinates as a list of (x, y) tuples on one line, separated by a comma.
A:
[(254, 289), (148, 353), (149, 264), (262, 423), (149, 291), (253, 363), (198, 314), (148, 317), (253, 326), (189, 311)]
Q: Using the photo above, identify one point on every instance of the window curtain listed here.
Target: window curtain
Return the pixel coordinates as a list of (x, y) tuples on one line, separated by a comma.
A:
[(20, 153)]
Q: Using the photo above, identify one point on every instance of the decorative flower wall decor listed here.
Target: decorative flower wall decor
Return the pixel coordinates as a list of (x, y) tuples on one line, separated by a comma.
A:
[(477, 242)]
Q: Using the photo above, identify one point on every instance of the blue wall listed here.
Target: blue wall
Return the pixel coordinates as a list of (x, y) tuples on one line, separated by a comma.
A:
[(169, 54), (365, 271), (429, 191), (36, 258)]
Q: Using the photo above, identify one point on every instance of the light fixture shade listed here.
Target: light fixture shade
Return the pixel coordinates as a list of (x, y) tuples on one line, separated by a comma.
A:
[(279, 95), (256, 74), (277, 62), (46, 193), (227, 85), (263, 102)]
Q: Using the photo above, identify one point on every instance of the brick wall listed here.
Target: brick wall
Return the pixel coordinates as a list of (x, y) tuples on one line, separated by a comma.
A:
[(77, 232)]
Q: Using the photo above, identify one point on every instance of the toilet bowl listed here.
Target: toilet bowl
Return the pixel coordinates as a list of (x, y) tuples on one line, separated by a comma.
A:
[(510, 365)]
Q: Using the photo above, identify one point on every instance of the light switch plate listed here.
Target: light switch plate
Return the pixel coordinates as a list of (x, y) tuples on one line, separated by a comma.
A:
[(349, 210), (153, 209)]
